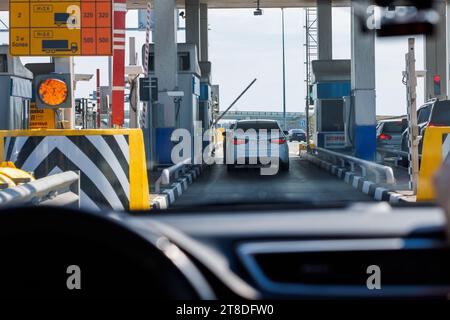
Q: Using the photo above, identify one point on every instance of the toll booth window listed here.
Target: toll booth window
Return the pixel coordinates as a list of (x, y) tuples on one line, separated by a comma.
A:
[(184, 63), (332, 115), (3, 63)]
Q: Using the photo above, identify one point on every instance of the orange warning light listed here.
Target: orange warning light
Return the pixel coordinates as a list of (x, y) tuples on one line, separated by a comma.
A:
[(53, 91)]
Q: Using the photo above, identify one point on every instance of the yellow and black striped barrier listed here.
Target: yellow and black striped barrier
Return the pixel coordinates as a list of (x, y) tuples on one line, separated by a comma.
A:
[(111, 162), (436, 148)]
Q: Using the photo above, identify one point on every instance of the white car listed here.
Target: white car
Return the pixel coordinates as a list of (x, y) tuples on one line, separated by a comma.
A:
[(256, 143)]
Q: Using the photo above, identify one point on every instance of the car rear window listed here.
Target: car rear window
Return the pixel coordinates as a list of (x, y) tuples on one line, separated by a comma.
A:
[(257, 125), (441, 113), (394, 127)]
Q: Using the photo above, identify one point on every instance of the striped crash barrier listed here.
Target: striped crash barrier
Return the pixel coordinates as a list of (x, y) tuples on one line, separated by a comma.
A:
[(111, 162), (436, 149)]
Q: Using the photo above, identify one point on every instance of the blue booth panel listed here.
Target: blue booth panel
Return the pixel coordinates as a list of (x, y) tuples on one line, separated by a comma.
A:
[(164, 146), (331, 90)]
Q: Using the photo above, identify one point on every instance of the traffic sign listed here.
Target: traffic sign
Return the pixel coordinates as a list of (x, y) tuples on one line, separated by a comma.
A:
[(41, 118), (60, 28)]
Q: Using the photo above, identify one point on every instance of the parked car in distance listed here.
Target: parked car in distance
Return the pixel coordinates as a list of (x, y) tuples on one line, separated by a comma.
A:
[(432, 114), (297, 135)]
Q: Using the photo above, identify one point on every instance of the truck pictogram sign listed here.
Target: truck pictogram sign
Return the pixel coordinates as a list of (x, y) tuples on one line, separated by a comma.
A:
[(60, 28)]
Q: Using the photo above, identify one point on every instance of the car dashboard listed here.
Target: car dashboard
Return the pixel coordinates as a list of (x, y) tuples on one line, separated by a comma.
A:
[(320, 253)]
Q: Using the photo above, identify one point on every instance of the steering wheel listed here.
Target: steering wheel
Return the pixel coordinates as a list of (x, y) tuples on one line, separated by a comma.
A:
[(60, 252)]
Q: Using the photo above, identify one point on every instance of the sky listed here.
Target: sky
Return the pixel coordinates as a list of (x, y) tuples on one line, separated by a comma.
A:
[(243, 47)]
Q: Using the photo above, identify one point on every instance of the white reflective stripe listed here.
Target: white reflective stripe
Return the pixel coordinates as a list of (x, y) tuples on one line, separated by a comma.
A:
[(123, 145), (86, 202), (119, 40), (118, 88), (118, 47), (86, 165), (446, 147), (81, 160), (119, 31), (122, 7), (20, 141), (6, 146), (103, 148)]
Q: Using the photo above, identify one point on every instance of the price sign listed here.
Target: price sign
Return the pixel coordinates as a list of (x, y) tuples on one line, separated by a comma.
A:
[(60, 28)]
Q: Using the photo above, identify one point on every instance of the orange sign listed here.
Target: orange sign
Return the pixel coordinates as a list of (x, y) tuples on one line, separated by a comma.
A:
[(41, 118), (60, 28)]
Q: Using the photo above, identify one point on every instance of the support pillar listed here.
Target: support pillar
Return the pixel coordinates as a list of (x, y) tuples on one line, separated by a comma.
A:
[(193, 24), (65, 65), (324, 26), (204, 56), (118, 73), (363, 84), (166, 56), (435, 55)]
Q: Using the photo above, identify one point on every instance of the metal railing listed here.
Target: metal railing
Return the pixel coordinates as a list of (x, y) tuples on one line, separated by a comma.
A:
[(62, 189), (378, 170), (172, 172)]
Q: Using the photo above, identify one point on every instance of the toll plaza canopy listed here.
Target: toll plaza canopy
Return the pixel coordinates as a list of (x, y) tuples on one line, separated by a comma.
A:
[(218, 4)]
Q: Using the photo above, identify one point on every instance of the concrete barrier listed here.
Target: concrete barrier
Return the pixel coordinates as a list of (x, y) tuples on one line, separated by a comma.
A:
[(111, 162), (436, 147)]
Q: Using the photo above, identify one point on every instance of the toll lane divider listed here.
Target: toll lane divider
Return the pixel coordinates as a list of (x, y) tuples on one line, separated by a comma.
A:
[(435, 149), (358, 182), (168, 195), (111, 162)]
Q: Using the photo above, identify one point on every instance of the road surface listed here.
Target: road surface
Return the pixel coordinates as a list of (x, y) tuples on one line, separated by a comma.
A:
[(304, 181)]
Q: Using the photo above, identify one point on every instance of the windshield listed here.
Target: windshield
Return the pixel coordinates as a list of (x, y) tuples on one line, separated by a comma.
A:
[(237, 105)]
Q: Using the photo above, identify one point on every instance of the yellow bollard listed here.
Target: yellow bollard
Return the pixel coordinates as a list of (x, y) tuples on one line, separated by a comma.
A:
[(431, 161)]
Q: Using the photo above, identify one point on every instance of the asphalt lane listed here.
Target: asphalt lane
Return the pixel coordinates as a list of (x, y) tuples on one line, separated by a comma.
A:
[(303, 182)]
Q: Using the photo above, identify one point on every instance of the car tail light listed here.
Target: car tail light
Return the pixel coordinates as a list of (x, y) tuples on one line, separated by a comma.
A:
[(239, 141), (384, 136), (278, 141)]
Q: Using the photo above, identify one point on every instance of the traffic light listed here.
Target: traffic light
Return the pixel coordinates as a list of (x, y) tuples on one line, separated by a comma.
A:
[(53, 91), (437, 84)]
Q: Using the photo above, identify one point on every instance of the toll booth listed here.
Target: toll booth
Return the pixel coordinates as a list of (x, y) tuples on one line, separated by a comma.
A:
[(186, 107), (205, 104), (189, 82), (331, 81), (15, 90)]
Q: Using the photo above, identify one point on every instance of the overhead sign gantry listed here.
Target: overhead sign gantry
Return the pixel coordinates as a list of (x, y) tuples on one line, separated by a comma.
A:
[(55, 28)]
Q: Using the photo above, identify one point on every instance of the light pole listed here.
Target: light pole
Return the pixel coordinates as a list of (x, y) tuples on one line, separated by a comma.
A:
[(284, 70)]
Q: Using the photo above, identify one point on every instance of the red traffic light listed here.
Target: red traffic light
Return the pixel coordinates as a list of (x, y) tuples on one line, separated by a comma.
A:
[(437, 78)]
